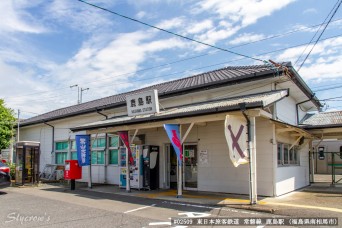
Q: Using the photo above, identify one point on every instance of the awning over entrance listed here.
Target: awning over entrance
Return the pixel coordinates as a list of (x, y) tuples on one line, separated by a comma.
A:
[(200, 112)]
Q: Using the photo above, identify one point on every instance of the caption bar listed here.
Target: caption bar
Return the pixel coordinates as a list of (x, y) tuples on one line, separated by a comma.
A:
[(255, 221)]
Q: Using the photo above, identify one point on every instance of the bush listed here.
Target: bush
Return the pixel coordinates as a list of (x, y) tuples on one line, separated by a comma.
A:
[(12, 170)]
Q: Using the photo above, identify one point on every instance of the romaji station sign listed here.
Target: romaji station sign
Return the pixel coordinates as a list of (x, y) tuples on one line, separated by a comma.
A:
[(142, 103)]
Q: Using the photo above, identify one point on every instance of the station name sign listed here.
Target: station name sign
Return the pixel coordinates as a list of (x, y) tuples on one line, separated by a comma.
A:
[(142, 103)]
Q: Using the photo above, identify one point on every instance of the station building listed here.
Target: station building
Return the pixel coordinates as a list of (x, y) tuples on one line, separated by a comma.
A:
[(274, 99)]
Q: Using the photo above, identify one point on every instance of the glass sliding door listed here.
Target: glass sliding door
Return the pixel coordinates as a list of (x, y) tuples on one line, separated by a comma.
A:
[(190, 170)]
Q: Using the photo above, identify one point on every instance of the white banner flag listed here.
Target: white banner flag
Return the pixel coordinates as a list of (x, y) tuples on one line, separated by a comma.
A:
[(235, 130)]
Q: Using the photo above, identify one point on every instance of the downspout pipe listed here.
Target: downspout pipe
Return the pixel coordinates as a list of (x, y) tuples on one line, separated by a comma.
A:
[(102, 114), (53, 138), (297, 106), (243, 110)]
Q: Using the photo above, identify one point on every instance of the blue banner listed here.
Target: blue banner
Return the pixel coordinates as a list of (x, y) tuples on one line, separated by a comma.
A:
[(83, 149), (172, 131)]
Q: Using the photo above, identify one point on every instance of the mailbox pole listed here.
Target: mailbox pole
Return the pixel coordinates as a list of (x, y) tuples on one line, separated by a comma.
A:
[(72, 184)]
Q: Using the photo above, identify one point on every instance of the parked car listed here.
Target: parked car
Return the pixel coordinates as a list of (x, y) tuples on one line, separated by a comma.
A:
[(5, 179)]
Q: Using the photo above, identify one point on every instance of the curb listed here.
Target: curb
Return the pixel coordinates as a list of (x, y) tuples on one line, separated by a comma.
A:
[(253, 208)]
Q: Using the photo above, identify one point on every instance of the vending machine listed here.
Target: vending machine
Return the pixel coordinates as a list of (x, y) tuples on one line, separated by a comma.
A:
[(122, 160), (151, 167), (135, 170)]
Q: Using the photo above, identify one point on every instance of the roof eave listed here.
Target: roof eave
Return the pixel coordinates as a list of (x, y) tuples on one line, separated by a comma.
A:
[(304, 87), (247, 78), (258, 104)]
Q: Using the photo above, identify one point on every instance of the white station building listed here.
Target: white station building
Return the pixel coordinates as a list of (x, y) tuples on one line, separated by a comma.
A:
[(273, 99)]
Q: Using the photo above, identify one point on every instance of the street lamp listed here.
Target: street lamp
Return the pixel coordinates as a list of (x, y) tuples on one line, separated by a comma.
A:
[(78, 92)]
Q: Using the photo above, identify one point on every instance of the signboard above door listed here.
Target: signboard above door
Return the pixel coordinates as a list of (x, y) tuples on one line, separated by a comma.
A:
[(142, 103)]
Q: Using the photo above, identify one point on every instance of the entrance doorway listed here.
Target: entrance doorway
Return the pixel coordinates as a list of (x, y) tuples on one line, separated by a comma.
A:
[(171, 167), (190, 171)]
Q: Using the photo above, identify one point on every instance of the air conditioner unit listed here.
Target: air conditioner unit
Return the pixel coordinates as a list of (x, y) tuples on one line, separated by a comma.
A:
[(59, 174)]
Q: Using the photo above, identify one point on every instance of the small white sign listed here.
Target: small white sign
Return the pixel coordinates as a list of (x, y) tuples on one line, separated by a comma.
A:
[(142, 103), (203, 157)]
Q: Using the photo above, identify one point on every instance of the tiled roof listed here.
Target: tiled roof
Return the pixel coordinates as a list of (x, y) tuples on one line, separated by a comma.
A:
[(259, 100), (323, 119), (214, 78)]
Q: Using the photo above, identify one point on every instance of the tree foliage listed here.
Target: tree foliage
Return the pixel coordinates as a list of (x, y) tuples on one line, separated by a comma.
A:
[(7, 121)]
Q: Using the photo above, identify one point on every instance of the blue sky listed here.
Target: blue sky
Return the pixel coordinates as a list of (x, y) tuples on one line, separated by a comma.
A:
[(48, 46)]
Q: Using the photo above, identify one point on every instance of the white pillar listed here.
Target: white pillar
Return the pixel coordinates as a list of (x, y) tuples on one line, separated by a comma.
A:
[(128, 184), (252, 149)]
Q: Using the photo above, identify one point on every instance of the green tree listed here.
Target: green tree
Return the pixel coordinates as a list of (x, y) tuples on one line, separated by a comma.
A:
[(7, 120)]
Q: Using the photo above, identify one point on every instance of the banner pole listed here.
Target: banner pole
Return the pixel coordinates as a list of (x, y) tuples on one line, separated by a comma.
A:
[(128, 184), (180, 173)]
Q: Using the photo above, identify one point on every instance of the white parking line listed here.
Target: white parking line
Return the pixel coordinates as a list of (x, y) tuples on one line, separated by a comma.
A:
[(140, 208), (214, 208)]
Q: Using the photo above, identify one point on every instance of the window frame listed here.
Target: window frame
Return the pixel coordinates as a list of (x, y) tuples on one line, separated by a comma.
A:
[(73, 150), (111, 148), (98, 149), (63, 151), (289, 157)]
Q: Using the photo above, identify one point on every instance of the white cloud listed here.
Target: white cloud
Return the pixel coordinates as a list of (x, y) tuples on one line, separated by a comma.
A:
[(324, 48), (322, 70), (245, 12), (325, 60), (15, 19), (79, 16), (108, 69), (310, 11), (214, 35), (177, 22), (246, 38), (200, 26), (141, 14)]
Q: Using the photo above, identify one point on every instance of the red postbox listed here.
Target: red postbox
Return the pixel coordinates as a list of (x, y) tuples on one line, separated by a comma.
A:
[(72, 170)]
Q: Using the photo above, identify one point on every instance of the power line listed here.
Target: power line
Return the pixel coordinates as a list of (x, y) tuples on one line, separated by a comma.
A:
[(172, 33), (199, 68), (333, 87), (300, 56), (306, 57), (183, 60), (326, 85)]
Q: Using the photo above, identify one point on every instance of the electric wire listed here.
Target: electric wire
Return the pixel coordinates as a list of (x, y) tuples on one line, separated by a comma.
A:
[(306, 57), (300, 56), (333, 87), (172, 33), (194, 69), (181, 60)]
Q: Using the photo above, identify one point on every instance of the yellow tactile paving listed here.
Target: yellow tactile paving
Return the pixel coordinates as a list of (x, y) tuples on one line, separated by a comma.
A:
[(305, 206)]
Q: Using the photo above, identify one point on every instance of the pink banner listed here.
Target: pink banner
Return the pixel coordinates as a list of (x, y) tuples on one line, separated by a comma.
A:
[(124, 137)]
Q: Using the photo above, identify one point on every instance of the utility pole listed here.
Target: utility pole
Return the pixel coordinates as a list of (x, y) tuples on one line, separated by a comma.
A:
[(81, 94)]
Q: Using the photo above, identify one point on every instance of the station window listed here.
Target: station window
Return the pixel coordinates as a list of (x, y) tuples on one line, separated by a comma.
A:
[(287, 156), (114, 144), (61, 151), (73, 150), (97, 151)]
